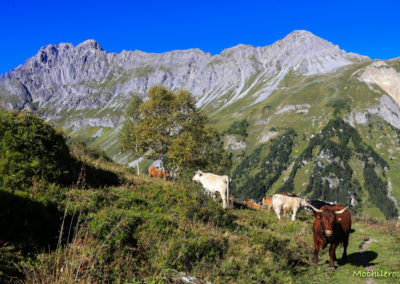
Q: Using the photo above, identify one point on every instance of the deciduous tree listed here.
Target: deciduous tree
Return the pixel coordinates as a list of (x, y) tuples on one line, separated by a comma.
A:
[(129, 134), (172, 129)]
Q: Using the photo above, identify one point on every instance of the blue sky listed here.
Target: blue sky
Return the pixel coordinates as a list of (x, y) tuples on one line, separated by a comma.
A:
[(366, 27)]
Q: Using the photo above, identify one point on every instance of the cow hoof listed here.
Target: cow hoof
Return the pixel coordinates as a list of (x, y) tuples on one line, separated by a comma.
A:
[(332, 267)]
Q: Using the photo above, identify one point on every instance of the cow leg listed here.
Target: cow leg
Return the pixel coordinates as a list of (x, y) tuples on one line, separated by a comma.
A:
[(332, 255), (294, 215), (316, 250), (277, 211), (224, 203), (345, 244)]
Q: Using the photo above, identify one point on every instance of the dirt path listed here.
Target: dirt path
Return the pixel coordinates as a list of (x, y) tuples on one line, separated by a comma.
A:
[(364, 261)]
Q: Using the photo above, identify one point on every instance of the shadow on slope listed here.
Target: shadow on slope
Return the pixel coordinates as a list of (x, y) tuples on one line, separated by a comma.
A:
[(28, 223), (360, 258)]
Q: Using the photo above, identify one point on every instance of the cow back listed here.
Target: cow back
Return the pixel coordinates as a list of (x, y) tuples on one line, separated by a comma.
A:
[(319, 203), (288, 194), (214, 182)]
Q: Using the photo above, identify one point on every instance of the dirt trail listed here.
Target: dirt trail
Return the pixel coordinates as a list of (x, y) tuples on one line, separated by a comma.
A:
[(364, 261)]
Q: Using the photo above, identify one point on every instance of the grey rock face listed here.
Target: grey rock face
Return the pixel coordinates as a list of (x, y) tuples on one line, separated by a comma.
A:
[(88, 81), (297, 108), (387, 109), (234, 144)]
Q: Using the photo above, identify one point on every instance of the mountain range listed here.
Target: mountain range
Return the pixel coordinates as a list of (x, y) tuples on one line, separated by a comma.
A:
[(319, 120)]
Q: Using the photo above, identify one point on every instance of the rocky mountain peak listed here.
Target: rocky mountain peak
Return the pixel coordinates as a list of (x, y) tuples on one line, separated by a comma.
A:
[(63, 77), (301, 34), (91, 44)]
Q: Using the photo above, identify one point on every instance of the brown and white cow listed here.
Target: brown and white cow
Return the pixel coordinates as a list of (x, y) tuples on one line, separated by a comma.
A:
[(252, 204), (214, 183), (154, 172), (332, 225), (286, 203), (267, 201)]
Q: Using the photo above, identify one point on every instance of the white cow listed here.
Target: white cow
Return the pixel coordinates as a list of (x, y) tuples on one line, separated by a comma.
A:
[(213, 184), (281, 202)]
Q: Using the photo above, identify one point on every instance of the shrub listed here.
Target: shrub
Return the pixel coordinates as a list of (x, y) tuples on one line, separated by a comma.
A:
[(31, 149)]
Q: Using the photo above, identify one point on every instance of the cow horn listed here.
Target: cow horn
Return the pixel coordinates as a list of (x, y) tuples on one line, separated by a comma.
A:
[(315, 209), (341, 211)]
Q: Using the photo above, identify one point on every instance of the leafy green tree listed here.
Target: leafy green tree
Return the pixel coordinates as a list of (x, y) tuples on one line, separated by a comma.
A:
[(128, 136), (171, 129)]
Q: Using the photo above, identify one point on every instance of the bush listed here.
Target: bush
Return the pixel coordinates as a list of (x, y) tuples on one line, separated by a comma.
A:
[(239, 128), (30, 149)]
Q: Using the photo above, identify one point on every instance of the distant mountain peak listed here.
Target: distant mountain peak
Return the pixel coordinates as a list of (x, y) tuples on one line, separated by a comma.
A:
[(64, 76), (301, 33), (306, 39), (90, 43)]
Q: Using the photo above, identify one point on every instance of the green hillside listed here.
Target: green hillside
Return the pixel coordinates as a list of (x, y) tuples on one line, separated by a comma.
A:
[(310, 105), (138, 229), (307, 105)]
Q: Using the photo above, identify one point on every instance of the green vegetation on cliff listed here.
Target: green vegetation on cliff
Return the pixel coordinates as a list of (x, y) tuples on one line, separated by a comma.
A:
[(254, 176), (332, 177)]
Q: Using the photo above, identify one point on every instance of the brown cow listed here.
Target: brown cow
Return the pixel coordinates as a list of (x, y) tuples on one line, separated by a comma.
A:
[(267, 201), (332, 225), (253, 205), (398, 223), (154, 172)]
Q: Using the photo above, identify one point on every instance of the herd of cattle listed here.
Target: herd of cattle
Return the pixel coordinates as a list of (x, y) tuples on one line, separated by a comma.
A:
[(332, 222)]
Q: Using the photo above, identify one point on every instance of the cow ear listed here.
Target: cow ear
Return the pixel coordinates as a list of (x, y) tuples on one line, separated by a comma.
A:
[(317, 215)]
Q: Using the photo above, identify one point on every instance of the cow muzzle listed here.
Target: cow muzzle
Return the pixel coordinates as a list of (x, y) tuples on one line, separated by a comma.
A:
[(328, 233)]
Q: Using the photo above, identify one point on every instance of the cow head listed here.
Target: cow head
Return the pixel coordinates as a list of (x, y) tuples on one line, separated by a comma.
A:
[(303, 202), (197, 176), (327, 218)]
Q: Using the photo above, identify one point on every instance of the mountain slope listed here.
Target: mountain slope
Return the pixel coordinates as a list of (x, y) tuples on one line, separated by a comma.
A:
[(308, 104), (144, 229), (300, 82), (84, 86)]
